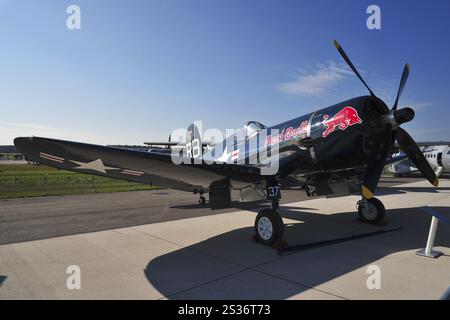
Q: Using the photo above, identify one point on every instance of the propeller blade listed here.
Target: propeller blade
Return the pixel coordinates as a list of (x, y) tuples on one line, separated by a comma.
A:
[(405, 75), (350, 64), (408, 145), (373, 175)]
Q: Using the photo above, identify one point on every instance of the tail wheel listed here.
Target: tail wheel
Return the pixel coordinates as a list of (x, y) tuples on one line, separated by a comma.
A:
[(371, 210), (269, 227)]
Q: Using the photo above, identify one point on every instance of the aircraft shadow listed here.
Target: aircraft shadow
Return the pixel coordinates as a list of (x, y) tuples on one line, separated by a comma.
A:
[(402, 190), (234, 205), (2, 279), (249, 206), (415, 175), (171, 273)]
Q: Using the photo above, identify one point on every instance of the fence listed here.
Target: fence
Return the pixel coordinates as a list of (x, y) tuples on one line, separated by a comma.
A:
[(39, 184)]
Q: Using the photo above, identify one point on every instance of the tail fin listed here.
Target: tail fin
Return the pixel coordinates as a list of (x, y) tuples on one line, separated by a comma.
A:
[(194, 146)]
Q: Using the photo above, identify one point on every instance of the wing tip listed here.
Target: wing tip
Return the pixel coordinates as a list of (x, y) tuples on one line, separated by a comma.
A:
[(20, 141)]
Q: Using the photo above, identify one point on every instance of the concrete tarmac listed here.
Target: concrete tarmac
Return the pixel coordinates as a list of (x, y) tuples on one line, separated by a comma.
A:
[(46, 217)]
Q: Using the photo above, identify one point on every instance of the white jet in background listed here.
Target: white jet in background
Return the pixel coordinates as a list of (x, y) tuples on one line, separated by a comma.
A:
[(437, 156)]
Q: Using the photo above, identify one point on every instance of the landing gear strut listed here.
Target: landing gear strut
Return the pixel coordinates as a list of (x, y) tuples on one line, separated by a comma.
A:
[(371, 211), (269, 225)]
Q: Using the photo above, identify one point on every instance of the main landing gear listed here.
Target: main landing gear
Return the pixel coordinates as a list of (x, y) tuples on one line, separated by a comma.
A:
[(269, 227), (201, 198), (371, 211)]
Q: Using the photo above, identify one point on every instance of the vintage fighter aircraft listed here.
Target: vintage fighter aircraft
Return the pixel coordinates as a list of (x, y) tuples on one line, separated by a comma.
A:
[(335, 151)]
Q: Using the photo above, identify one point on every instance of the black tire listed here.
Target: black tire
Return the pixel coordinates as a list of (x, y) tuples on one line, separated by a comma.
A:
[(269, 227), (375, 215), (202, 200)]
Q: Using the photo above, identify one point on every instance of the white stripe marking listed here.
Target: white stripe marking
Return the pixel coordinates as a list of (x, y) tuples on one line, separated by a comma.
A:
[(50, 157), (132, 173)]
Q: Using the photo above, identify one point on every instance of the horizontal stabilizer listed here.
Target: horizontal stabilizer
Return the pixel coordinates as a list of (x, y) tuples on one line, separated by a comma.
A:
[(170, 144), (162, 143)]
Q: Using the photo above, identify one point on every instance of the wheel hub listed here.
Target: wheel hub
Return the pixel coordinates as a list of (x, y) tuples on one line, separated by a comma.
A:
[(369, 211), (265, 228)]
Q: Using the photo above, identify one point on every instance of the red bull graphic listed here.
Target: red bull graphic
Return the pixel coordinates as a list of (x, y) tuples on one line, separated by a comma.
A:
[(288, 134), (345, 118)]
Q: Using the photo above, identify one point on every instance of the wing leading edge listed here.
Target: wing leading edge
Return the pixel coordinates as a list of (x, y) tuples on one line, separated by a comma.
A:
[(132, 165), (125, 164)]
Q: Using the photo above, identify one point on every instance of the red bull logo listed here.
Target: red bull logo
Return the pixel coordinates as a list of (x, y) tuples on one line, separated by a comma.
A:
[(288, 134), (345, 118)]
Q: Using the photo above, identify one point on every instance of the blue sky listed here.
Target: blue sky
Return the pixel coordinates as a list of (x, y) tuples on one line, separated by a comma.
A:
[(139, 69)]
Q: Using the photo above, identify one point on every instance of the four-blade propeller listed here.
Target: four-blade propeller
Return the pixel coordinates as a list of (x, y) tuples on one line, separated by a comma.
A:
[(393, 118)]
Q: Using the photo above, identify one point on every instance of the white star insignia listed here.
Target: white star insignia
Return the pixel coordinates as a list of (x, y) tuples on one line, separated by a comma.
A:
[(224, 157), (96, 165)]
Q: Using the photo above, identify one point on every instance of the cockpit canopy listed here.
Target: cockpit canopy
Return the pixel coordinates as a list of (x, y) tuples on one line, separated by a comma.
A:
[(253, 127)]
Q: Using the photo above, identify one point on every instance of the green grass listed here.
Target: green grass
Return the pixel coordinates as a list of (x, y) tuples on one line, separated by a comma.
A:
[(27, 168), (19, 181)]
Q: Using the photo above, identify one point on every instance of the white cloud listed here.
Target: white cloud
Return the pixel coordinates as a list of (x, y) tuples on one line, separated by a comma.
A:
[(418, 106), (316, 82)]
